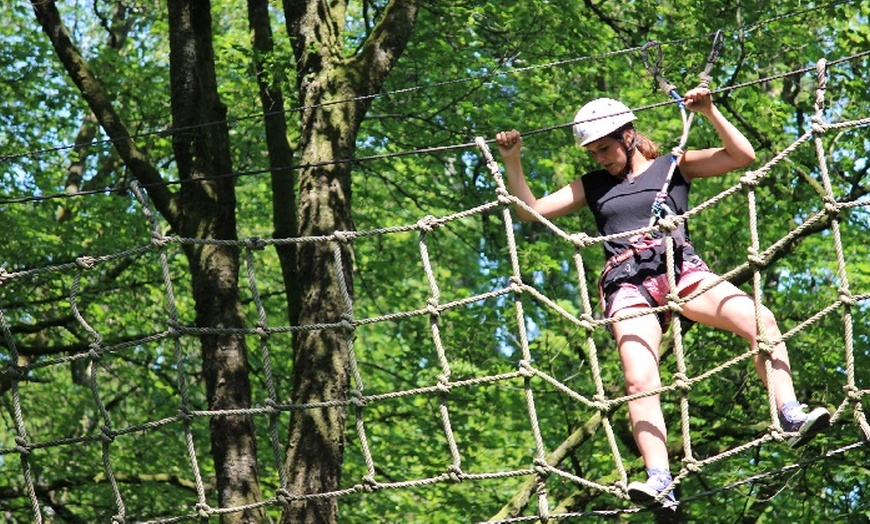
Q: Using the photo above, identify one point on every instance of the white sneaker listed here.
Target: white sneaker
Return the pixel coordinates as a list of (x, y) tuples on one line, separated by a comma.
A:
[(806, 426), (645, 493)]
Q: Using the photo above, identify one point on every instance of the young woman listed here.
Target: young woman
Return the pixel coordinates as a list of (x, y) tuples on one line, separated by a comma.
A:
[(621, 197)]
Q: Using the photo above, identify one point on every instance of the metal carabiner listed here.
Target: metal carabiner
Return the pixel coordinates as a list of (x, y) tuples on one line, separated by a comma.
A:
[(718, 43), (653, 70), (714, 54), (668, 88)]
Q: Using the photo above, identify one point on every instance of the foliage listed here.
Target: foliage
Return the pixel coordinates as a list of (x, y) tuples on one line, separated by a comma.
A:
[(472, 68)]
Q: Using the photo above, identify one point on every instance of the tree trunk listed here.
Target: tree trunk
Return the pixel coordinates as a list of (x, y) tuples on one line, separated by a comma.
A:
[(316, 442), (283, 179), (333, 90), (202, 153)]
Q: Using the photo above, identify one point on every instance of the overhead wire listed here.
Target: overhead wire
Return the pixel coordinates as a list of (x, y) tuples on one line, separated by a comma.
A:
[(414, 152), (420, 151)]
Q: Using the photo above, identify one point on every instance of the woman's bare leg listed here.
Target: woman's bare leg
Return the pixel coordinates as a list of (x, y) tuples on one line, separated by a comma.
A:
[(727, 307), (638, 341)]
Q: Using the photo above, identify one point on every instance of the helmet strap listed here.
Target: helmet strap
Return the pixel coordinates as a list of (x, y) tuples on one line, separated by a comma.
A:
[(629, 148)]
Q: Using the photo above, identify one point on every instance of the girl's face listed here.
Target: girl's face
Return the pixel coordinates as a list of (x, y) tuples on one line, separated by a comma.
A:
[(609, 154)]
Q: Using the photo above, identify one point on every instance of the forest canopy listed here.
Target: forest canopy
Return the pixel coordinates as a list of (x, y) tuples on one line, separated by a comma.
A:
[(258, 267)]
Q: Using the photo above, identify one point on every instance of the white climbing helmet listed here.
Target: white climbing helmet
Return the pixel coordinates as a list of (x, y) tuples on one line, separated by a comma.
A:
[(599, 118)]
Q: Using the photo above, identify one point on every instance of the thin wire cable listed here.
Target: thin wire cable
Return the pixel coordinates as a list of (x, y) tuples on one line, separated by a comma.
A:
[(168, 131), (413, 152)]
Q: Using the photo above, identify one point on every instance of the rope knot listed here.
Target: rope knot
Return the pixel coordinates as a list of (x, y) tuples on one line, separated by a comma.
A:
[(255, 243), (674, 303), (444, 386), (158, 240), (669, 223), (86, 262), (368, 485), (174, 329), (602, 403), (677, 151), (119, 519), (853, 393), (587, 322), (454, 473), (777, 434), (619, 489), (185, 414), (581, 240), (284, 496), (525, 368), (357, 398), (504, 197), (682, 382), (516, 284), (108, 434), (542, 469), (818, 126), (21, 446), (691, 465), (428, 223), (832, 208), (262, 330), (369, 480), (432, 307), (347, 323), (750, 179), (755, 258), (94, 352), (3, 275), (202, 509), (846, 297), (765, 346), (344, 236)]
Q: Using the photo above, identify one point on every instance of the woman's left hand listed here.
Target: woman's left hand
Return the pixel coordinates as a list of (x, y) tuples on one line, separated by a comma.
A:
[(699, 99)]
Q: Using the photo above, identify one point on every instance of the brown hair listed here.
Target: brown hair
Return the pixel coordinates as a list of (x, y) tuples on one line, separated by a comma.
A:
[(648, 148)]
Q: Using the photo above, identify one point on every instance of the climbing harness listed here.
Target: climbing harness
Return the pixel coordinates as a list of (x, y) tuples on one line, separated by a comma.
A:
[(653, 240)]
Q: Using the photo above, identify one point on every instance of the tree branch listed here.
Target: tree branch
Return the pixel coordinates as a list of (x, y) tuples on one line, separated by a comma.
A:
[(99, 102)]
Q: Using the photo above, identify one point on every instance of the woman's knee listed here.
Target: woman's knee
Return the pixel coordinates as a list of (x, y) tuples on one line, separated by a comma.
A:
[(768, 322), (642, 380), (746, 323)]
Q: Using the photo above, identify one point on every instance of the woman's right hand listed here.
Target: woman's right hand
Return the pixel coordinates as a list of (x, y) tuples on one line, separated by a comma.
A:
[(509, 143)]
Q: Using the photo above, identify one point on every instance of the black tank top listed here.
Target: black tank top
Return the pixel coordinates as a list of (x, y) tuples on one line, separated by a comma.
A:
[(620, 205)]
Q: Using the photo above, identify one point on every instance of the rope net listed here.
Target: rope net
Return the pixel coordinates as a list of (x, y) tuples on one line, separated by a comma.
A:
[(178, 425)]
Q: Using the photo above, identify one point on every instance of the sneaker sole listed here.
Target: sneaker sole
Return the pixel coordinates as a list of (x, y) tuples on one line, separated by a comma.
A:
[(642, 495), (819, 420)]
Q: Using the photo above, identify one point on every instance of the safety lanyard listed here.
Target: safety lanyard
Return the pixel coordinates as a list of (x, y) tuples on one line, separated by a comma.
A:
[(660, 208)]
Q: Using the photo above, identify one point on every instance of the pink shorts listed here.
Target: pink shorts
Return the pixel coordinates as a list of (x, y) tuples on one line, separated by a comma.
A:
[(693, 270)]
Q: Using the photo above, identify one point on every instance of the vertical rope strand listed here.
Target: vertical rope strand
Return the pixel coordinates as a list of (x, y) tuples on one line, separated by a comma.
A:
[(455, 470), (22, 447), (263, 335), (185, 410), (95, 356), (833, 210), (541, 466), (605, 409)]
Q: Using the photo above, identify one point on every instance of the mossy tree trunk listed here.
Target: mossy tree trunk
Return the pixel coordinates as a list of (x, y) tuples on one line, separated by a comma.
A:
[(333, 89)]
